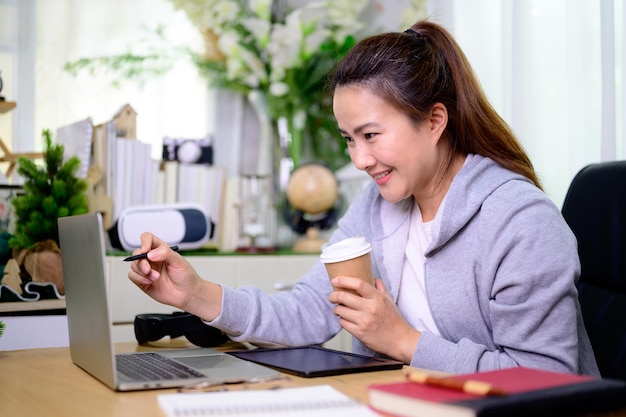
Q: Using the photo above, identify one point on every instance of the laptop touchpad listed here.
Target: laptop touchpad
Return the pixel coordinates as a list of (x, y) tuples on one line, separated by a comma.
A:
[(202, 362)]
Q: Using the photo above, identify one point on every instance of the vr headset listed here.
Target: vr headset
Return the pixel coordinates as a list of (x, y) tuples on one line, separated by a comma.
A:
[(152, 327), (186, 225)]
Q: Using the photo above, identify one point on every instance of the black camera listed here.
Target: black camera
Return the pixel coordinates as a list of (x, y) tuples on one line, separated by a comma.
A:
[(152, 327), (188, 151)]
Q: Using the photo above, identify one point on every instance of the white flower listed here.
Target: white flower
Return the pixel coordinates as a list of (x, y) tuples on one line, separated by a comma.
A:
[(259, 28), (226, 11), (299, 119), (279, 89), (283, 49), (314, 41), (312, 14), (262, 8), (257, 73), (230, 44)]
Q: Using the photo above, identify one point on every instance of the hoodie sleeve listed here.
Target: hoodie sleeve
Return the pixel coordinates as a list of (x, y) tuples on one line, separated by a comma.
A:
[(302, 316)]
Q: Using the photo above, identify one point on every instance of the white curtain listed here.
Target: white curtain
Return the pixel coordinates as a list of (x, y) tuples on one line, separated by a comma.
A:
[(555, 70)]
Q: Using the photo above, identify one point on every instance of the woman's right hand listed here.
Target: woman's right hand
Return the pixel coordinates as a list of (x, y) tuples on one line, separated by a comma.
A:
[(167, 277)]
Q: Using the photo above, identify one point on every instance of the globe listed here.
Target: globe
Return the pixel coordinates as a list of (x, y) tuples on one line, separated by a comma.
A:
[(313, 192), (313, 189)]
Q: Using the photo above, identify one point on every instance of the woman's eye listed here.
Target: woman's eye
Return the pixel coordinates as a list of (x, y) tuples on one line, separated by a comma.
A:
[(347, 138), (369, 135)]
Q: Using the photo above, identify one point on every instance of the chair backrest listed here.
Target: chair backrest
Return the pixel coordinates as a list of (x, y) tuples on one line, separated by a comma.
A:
[(595, 209)]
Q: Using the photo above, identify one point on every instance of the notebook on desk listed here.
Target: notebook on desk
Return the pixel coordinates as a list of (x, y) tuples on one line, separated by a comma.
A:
[(83, 253)]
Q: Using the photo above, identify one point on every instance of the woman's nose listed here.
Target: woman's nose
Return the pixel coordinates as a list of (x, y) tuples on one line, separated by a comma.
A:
[(361, 157)]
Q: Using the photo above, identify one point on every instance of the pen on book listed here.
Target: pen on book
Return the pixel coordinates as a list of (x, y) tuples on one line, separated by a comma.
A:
[(145, 255), (468, 386)]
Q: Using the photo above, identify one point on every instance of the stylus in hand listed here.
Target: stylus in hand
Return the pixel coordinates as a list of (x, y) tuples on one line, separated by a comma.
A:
[(145, 255)]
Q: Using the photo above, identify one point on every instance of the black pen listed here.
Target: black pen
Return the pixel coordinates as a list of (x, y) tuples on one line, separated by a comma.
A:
[(145, 255)]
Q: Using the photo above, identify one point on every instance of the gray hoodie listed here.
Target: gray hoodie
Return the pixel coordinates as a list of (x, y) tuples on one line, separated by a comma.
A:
[(500, 279)]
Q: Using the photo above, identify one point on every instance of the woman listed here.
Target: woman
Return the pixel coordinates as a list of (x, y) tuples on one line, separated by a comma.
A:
[(477, 267)]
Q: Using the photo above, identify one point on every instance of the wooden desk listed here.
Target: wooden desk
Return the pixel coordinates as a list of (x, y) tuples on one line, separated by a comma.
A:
[(45, 382)]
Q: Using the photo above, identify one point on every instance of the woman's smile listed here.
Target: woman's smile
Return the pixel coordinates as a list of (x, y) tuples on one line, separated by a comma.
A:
[(381, 177)]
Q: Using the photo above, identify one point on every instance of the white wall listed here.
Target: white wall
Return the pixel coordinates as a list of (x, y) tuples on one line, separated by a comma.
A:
[(30, 332)]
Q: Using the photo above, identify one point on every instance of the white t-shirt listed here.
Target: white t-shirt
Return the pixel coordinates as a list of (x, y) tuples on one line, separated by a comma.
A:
[(412, 297)]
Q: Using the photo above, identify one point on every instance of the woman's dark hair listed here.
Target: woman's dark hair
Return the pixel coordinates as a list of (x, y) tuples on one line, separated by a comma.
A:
[(423, 66)]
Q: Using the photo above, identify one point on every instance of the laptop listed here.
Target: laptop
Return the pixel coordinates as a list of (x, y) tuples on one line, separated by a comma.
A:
[(83, 253)]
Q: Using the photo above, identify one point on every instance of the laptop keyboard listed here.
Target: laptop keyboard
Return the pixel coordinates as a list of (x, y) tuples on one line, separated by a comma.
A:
[(150, 366)]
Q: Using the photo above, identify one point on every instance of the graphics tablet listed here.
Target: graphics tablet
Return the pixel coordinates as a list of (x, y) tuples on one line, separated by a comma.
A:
[(314, 361)]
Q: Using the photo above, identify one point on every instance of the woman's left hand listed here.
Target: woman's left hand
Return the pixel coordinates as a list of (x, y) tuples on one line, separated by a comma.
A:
[(373, 318)]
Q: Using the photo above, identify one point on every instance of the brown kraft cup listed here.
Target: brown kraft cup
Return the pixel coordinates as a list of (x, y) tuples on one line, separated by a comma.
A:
[(350, 257)]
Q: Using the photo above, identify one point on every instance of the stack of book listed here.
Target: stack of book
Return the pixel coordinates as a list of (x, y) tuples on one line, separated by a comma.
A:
[(195, 183), (130, 175), (507, 392)]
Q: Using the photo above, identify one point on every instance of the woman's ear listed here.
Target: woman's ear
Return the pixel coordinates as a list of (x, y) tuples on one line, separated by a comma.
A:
[(438, 118)]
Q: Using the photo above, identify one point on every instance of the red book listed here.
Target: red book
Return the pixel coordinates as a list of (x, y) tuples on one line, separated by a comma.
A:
[(530, 392)]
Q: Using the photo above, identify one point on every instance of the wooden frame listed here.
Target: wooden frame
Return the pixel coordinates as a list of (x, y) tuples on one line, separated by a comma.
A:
[(12, 157)]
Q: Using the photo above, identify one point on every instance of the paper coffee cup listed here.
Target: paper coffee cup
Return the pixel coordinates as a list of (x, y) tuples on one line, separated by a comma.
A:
[(350, 257)]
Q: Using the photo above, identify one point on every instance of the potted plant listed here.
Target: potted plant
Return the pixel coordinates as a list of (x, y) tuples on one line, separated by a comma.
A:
[(50, 191)]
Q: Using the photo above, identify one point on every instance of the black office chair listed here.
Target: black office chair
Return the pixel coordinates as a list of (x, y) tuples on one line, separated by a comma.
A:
[(595, 209)]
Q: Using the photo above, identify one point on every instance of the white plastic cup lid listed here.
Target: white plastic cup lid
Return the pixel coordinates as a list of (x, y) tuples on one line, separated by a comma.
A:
[(349, 248)]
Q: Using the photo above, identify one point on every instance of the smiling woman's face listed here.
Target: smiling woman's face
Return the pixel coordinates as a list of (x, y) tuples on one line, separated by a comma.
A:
[(401, 156)]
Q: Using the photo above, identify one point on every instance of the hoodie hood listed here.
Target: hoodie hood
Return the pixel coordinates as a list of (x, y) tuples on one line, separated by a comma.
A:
[(474, 183)]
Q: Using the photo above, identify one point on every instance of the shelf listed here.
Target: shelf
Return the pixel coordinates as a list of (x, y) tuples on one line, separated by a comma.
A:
[(23, 306), (6, 106)]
